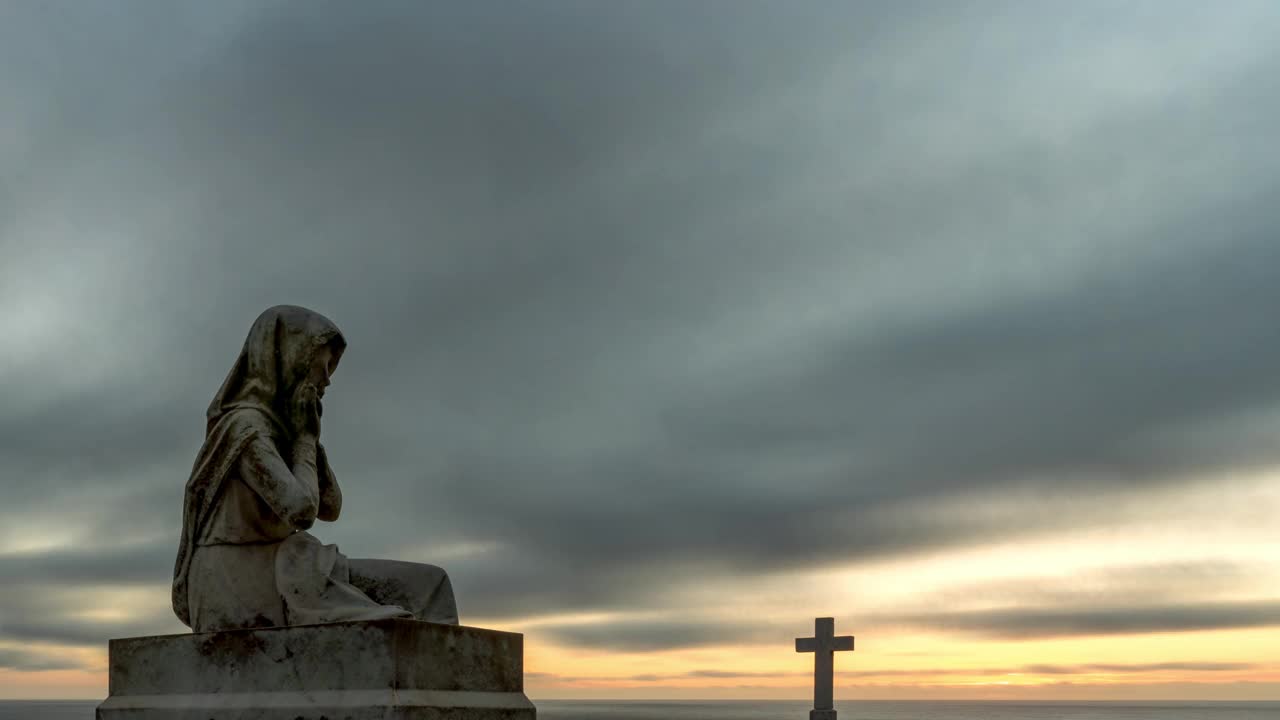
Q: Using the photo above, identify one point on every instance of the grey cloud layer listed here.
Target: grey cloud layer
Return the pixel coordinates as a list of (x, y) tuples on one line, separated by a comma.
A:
[(1029, 623), (1086, 668), (53, 614), (648, 294), (14, 659), (1004, 623)]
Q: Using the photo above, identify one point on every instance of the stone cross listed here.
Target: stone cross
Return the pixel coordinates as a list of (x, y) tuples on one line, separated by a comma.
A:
[(823, 645)]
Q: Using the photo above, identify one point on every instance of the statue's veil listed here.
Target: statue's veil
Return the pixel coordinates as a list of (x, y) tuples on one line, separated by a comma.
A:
[(276, 355)]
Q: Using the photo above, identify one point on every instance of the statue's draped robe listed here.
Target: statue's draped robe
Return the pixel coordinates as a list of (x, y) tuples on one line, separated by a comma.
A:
[(245, 558)]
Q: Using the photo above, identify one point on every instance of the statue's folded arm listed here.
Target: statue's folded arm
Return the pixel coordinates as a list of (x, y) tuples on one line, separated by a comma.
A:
[(330, 493), (293, 495)]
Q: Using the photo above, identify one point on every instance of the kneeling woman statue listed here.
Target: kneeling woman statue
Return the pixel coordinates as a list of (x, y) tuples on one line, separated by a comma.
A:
[(261, 480)]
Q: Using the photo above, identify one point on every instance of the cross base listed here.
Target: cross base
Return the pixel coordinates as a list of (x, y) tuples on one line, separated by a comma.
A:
[(822, 715)]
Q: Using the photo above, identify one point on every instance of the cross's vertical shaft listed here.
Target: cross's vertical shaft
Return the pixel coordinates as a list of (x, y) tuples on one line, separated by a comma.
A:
[(824, 632)]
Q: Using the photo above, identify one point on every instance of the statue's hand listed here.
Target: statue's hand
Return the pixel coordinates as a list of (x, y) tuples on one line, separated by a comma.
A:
[(306, 411)]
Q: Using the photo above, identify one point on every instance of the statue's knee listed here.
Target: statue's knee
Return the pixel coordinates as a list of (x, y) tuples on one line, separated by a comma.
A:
[(435, 572), (445, 582)]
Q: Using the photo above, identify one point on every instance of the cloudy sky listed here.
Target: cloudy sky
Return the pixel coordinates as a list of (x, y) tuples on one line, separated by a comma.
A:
[(672, 326)]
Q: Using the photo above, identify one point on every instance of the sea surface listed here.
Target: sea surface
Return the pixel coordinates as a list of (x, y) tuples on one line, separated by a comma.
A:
[(789, 710)]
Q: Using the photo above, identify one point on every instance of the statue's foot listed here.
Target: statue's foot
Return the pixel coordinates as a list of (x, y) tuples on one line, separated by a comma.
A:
[(383, 612)]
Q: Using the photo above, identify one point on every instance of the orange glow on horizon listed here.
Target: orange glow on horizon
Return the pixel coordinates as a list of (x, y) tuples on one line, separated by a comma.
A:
[(887, 603)]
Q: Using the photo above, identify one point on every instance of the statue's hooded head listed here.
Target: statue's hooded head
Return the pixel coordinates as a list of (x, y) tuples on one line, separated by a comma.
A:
[(277, 358)]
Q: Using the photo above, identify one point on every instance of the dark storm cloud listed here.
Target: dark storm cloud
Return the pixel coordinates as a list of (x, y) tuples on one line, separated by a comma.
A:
[(649, 636), (1020, 623), (1015, 622), (15, 659), (146, 564), (62, 613), (100, 433), (1082, 669), (660, 677), (81, 633), (636, 636), (1117, 584), (645, 294)]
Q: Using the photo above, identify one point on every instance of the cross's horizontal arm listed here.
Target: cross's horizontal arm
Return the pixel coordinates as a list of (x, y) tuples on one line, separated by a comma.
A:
[(837, 644)]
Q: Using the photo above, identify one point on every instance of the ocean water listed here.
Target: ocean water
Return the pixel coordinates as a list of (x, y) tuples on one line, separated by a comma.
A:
[(790, 710), (891, 710)]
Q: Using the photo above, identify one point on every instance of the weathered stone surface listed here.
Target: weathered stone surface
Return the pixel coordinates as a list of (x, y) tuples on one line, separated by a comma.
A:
[(388, 669)]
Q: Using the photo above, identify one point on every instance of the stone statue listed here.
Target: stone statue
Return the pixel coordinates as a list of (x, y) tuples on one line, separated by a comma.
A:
[(246, 559)]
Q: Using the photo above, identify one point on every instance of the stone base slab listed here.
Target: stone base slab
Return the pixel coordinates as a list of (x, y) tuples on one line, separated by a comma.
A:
[(386, 669), (328, 705)]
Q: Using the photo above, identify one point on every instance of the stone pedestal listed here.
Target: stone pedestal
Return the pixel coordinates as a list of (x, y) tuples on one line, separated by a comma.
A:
[(384, 669)]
